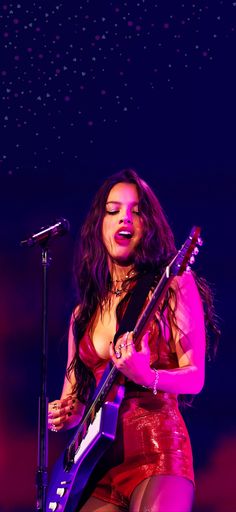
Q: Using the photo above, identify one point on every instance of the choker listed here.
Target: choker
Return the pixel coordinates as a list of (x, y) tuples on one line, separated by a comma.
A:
[(130, 274)]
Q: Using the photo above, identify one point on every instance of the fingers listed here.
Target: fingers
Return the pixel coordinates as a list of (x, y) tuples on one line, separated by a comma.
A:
[(134, 364), (145, 343), (58, 413), (127, 347), (124, 347)]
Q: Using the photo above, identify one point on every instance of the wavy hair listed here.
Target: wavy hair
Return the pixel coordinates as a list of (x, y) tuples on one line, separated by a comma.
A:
[(91, 272)]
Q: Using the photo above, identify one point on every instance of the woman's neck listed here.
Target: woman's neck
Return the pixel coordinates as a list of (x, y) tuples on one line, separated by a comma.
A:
[(120, 273)]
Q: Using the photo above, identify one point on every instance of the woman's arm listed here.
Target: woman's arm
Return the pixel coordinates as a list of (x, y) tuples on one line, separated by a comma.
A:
[(188, 342), (66, 412)]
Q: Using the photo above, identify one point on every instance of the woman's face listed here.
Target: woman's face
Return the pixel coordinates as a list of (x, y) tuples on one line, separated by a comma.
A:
[(122, 226)]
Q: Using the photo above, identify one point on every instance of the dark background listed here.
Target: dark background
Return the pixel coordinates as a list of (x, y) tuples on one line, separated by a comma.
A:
[(88, 88)]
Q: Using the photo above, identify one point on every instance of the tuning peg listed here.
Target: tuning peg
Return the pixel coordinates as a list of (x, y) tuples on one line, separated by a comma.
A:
[(195, 251), (188, 268), (200, 241), (191, 260)]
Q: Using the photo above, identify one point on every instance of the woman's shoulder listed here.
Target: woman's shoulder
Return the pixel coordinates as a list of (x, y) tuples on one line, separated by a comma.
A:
[(185, 283), (74, 314), (188, 297)]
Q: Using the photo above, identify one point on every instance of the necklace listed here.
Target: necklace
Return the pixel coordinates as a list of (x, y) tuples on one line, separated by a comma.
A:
[(117, 292), (122, 289)]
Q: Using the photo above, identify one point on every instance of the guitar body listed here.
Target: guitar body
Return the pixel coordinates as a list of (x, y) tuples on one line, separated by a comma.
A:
[(67, 486)]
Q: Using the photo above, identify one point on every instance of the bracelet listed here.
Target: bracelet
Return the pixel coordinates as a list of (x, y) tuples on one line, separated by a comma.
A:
[(154, 389)]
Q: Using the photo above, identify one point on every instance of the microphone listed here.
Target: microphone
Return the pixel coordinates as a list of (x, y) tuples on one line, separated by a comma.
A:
[(61, 227)]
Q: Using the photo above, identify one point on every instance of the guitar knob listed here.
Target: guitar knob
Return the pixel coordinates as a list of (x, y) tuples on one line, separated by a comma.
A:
[(53, 505), (200, 241), (61, 491)]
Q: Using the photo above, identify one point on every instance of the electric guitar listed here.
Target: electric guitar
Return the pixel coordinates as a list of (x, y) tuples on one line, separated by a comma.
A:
[(97, 429)]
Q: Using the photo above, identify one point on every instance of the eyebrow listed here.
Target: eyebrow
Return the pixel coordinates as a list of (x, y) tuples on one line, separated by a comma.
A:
[(120, 202)]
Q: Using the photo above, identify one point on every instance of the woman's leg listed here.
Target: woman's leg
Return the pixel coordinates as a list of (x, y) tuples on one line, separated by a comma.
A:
[(96, 505), (163, 493)]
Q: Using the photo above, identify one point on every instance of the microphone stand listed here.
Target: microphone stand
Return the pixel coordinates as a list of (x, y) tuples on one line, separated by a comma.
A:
[(42, 238), (42, 468)]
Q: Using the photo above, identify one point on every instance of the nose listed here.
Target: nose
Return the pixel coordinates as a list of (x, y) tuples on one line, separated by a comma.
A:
[(126, 219), (126, 216)]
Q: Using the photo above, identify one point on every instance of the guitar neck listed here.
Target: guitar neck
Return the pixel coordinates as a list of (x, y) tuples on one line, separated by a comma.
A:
[(150, 309)]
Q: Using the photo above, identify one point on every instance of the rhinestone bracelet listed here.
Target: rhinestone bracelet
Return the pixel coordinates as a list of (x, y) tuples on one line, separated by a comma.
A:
[(154, 389)]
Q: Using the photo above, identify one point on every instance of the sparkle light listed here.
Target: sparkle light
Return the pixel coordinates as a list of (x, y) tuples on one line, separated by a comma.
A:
[(67, 65)]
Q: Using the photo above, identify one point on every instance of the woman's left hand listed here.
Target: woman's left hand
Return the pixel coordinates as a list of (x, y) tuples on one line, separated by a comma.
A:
[(134, 365)]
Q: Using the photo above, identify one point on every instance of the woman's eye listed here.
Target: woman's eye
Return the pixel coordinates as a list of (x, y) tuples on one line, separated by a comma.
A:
[(112, 212)]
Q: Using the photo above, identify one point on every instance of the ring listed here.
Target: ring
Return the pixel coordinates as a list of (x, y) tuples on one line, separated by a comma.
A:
[(53, 428), (122, 345), (118, 354), (55, 407)]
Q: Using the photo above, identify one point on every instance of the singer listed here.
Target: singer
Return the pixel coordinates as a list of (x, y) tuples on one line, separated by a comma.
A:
[(149, 466)]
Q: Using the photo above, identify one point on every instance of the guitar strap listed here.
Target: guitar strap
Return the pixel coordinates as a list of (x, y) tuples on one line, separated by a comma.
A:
[(135, 305), (128, 322)]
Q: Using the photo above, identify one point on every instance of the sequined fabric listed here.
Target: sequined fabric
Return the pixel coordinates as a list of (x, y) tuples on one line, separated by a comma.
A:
[(151, 439)]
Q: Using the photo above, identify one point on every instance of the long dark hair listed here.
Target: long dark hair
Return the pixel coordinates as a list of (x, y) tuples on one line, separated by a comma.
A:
[(91, 272)]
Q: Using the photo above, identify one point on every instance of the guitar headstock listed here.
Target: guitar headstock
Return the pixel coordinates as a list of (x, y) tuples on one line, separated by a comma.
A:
[(185, 257)]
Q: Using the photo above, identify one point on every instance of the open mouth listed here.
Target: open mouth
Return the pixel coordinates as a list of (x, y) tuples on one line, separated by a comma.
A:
[(123, 234)]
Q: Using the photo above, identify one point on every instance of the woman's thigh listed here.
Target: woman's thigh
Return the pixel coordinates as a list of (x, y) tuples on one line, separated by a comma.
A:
[(162, 493), (96, 505)]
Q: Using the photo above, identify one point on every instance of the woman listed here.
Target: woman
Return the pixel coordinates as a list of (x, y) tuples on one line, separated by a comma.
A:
[(149, 465)]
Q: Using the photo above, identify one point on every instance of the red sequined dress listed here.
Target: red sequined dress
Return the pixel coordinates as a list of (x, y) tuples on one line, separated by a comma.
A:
[(151, 439)]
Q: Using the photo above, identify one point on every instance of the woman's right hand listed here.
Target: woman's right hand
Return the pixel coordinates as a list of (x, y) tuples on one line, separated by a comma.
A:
[(64, 414)]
